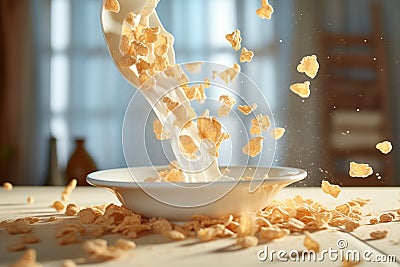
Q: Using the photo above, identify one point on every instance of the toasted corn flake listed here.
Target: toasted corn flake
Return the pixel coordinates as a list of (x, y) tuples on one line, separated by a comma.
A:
[(362, 170), (378, 234), (265, 11), (333, 190), (7, 186), (301, 89), (246, 55), (188, 145), (112, 5), (230, 74), (246, 110), (309, 65), (235, 39), (385, 147), (277, 133), (194, 67), (227, 104), (159, 130), (310, 243), (254, 146)]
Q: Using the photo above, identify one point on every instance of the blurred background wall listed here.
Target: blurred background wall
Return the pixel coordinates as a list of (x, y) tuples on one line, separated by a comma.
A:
[(57, 78)]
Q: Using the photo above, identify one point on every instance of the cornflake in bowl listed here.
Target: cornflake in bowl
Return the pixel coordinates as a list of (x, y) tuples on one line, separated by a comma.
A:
[(178, 201)]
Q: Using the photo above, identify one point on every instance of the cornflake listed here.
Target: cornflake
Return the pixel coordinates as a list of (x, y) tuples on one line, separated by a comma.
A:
[(301, 89), (16, 247), (246, 110), (68, 189), (333, 190), (360, 170), (58, 205), (247, 241), (7, 186), (28, 259), (254, 146), (171, 105), (30, 200), (159, 130), (373, 221), (386, 217), (378, 234), (385, 147), (29, 239), (259, 123), (273, 232), (227, 104), (309, 65), (112, 5), (246, 55), (265, 11), (277, 133), (310, 243), (71, 210), (188, 145), (172, 175), (194, 67), (235, 39), (230, 74), (209, 128)]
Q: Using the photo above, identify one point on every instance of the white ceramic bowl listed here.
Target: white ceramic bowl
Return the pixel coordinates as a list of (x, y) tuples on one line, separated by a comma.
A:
[(180, 201)]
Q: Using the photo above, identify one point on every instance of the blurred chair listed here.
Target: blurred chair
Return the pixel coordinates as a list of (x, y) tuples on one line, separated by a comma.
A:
[(355, 110)]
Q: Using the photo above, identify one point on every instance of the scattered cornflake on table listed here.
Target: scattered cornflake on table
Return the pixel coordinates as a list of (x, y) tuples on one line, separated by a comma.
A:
[(29, 239), (378, 234), (246, 55), (72, 209), (331, 189), (254, 146), (309, 65), (373, 221), (16, 247), (98, 248), (386, 217), (310, 243), (265, 11), (112, 5), (230, 74), (227, 104), (7, 186), (235, 39), (30, 200), (385, 147), (58, 205), (194, 67), (28, 259), (277, 133), (361, 170), (246, 110), (301, 89)]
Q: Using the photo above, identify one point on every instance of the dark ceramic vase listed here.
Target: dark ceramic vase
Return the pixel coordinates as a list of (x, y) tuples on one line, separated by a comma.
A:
[(80, 164)]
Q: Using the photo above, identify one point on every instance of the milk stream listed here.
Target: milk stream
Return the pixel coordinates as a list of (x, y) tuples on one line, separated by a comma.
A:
[(205, 167)]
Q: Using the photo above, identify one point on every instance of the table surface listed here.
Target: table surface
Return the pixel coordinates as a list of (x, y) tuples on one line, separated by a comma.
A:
[(154, 250)]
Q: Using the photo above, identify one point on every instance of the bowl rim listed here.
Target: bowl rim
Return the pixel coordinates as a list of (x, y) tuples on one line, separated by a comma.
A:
[(94, 178)]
